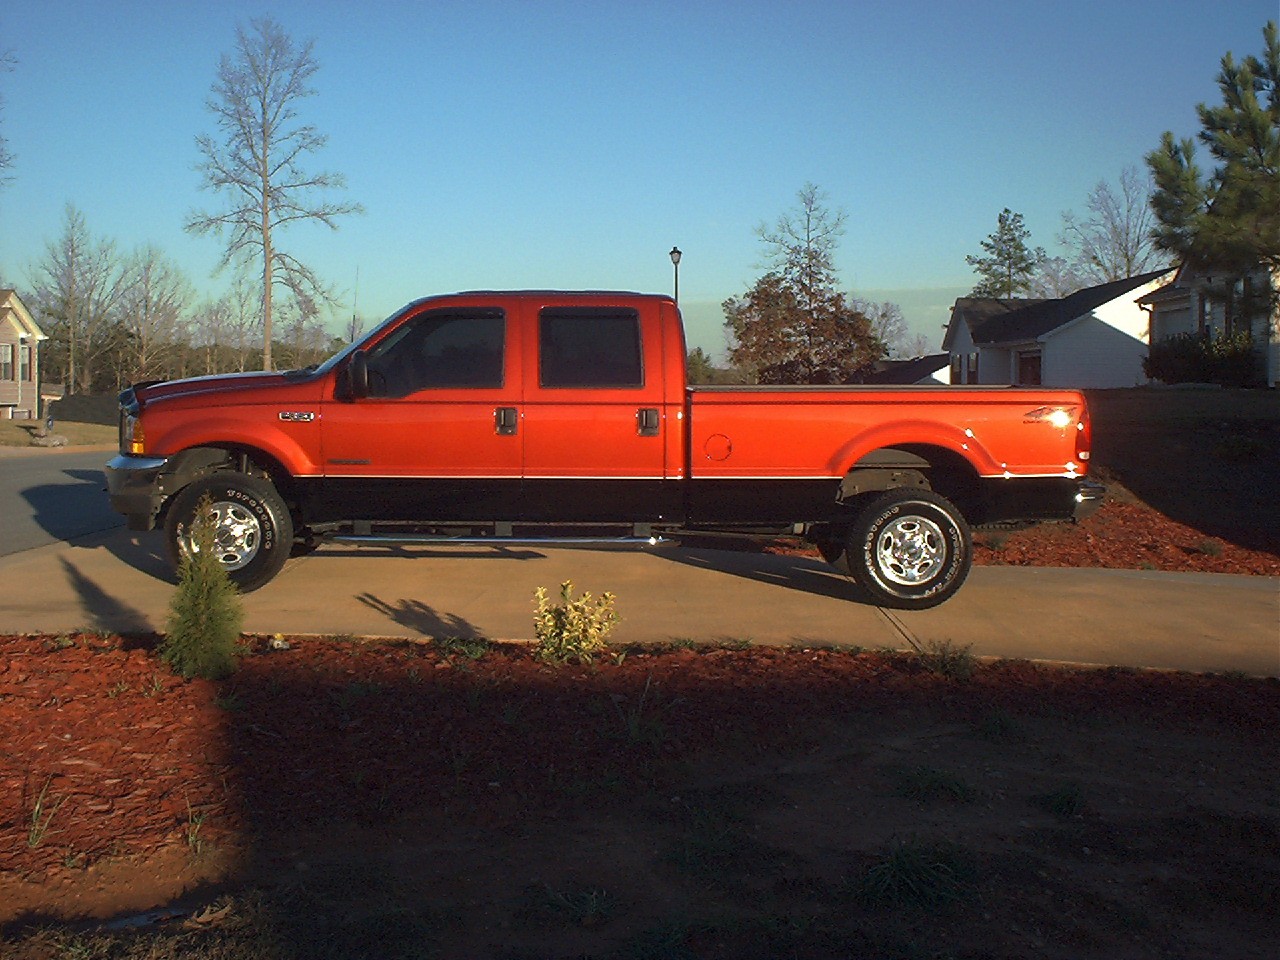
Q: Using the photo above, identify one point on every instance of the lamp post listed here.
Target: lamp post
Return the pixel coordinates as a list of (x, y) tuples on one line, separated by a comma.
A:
[(675, 263)]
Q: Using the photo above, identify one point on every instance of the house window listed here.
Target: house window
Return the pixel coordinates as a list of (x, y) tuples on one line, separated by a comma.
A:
[(971, 376), (957, 368), (1029, 368), (24, 364), (6, 361)]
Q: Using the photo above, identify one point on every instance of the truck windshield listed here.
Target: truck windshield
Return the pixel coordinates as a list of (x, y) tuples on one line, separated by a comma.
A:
[(346, 351)]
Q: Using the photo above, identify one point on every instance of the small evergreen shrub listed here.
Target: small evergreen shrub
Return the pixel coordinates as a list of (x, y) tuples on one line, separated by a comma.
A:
[(572, 629), (205, 614), (1231, 361)]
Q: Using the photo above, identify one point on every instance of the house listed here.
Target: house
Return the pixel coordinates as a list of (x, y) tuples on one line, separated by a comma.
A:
[(1197, 301), (1096, 337), (19, 360)]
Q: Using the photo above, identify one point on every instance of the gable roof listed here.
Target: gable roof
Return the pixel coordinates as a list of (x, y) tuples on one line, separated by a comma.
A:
[(973, 312), (1035, 319), (13, 313)]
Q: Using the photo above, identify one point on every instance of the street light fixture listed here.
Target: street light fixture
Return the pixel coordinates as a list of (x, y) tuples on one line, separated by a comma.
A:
[(675, 263)]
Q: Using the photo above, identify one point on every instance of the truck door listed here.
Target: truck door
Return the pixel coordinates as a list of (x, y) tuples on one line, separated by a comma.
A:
[(437, 438), (595, 418)]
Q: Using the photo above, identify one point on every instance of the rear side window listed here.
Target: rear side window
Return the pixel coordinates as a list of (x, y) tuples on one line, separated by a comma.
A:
[(589, 347), (444, 350)]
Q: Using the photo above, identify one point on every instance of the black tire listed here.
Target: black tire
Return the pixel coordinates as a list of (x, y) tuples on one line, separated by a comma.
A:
[(910, 549), (255, 531)]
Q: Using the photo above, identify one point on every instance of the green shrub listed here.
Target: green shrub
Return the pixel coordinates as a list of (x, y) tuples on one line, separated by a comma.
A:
[(948, 660), (205, 614), (1198, 358), (572, 629)]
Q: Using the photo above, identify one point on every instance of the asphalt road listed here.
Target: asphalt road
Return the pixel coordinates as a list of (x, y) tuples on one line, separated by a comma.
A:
[(50, 496)]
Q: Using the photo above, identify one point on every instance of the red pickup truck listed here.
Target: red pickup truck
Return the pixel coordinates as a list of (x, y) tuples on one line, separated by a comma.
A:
[(495, 417)]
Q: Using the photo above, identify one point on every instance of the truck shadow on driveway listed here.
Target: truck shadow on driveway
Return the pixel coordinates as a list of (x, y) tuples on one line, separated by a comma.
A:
[(794, 573)]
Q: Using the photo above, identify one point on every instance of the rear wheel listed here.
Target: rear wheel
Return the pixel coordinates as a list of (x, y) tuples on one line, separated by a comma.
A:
[(253, 532), (910, 549)]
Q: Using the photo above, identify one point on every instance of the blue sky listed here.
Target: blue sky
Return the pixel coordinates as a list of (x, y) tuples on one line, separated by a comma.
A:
[(568, 145)]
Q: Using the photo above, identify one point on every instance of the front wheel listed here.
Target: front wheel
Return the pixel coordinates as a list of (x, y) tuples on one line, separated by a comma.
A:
[(253, 532), (910, 549)]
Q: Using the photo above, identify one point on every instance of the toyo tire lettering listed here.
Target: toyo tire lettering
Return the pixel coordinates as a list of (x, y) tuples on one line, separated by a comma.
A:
[(910, 549), (253, 529)]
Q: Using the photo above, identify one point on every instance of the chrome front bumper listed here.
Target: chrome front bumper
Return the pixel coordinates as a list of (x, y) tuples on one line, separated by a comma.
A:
[(136, 488)]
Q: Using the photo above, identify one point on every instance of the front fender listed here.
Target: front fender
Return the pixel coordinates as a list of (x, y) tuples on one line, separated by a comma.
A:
[(289, 444)]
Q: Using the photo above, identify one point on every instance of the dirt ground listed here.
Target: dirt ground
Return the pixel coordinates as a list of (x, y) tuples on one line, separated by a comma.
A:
[(341, 799), (349, 799)]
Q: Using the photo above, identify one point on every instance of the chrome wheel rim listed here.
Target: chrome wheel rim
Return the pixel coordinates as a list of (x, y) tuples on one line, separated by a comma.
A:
[(237, 534), (910, 551)]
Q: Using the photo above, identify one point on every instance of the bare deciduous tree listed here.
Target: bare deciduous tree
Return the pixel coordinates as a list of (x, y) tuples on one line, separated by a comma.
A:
[(1055, 277), (77, 287), (7, 63), (256, 162), (1116, 240), (888, 325), (152, 316)]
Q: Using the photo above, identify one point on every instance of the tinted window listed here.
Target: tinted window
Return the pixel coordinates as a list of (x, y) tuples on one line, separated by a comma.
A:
[(589, 348), (448, 350)]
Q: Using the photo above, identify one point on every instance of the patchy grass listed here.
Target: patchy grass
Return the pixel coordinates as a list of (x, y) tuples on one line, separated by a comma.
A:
[(19, 433)]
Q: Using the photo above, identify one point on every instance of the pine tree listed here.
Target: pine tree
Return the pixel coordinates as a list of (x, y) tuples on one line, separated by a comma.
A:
[(1010, 266), (1229, 220), (205, 614), (793, 325)]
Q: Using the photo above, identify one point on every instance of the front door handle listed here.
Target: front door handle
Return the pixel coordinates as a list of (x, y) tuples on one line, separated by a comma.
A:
[(505, 420), (647, 422)]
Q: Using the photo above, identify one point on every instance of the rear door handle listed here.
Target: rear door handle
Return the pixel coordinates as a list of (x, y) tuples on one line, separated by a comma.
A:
[(647, 422), (505, 420)]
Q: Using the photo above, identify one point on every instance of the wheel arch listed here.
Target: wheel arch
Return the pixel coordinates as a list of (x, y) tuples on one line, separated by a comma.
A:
[(195, 463), (928, 466)]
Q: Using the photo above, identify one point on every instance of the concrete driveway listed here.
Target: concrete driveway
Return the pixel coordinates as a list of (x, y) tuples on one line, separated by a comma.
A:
[(118, 581)]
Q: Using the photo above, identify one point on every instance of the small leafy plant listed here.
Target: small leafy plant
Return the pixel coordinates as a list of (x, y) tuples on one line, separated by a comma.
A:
[(205, 614), (915, 874), (471, 648), (927, 784), (1065, 802), (42, 813), (572, 629), (948, 660)]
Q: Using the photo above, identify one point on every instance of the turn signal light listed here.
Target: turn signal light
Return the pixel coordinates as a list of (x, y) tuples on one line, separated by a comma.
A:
[(135, 439)]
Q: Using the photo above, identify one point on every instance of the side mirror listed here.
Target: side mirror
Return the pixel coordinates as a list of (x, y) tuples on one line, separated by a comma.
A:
[(353, 382)]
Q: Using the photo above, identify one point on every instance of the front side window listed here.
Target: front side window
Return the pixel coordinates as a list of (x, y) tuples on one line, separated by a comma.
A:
[(589, 347), (440, 351)]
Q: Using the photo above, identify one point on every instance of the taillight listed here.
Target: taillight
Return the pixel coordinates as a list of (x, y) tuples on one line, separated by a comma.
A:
[(1084, 438)]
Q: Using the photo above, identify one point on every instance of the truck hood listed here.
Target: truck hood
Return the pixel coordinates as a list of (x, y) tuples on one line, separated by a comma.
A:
[(225, 383)]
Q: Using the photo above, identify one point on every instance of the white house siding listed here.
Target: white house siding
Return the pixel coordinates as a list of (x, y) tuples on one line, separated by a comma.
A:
[(1103, 349), (1093, 353), (961, 347)]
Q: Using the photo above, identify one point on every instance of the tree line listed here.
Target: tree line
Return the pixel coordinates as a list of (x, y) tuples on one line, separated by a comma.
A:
[(116, 317), (794, 325)]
